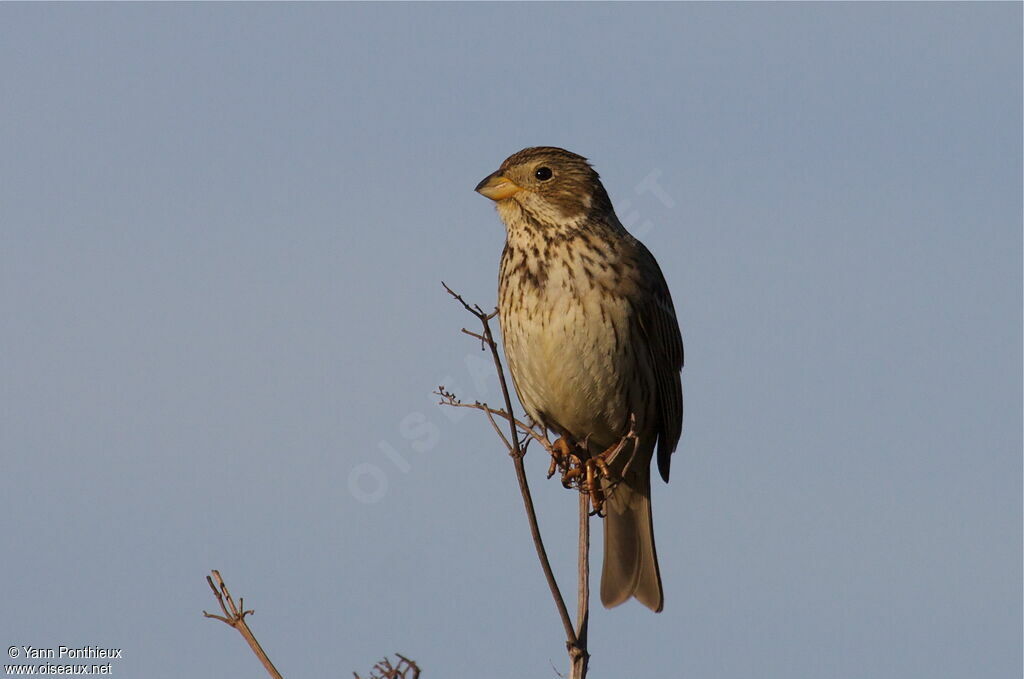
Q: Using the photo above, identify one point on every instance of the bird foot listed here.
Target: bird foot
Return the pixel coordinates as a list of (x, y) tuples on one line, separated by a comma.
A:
[(583, 471)]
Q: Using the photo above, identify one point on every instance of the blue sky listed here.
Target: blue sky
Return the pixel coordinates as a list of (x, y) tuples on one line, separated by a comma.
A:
[(223, 233)]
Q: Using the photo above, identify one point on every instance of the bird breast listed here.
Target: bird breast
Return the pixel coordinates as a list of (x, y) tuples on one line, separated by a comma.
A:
[(567, 341)]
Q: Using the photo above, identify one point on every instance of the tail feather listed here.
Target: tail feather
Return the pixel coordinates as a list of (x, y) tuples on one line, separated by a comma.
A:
[(630, 559)]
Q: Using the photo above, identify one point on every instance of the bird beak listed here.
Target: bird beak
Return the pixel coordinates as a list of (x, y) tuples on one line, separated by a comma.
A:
[(497, 187)]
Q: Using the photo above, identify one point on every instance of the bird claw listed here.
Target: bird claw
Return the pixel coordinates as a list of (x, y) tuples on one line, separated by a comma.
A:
[(572, 476), (597, 468), (568, 460), (561, 457)]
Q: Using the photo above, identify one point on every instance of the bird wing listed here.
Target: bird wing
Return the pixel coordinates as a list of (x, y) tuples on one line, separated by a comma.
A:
[(660, 328)]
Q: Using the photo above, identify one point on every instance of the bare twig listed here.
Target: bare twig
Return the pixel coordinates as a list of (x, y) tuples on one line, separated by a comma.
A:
[(534, 431), (575, 643), (235, 617), (579, 657)]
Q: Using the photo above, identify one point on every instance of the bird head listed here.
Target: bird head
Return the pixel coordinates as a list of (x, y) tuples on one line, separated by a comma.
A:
[(551, 184)]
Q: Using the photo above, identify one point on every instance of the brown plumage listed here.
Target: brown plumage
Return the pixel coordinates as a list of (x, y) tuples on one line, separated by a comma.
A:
[(591, 338)]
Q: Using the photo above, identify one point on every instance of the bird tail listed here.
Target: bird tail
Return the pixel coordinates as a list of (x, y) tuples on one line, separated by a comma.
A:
[(630, 560)]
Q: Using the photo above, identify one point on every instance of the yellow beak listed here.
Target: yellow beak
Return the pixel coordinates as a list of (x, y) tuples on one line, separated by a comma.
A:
[(498, 187)]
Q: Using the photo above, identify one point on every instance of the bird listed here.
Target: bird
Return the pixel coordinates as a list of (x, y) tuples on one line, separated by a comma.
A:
[(592, 342)]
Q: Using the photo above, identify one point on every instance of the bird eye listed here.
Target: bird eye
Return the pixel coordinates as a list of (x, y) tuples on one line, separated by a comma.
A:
[(543, 173)]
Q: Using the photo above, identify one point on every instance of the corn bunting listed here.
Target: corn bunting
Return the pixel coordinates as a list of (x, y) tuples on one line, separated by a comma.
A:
[(592, 344)]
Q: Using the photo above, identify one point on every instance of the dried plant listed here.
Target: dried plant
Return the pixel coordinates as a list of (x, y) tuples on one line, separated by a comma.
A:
[(405, 669), (520, 435), (234, 616)]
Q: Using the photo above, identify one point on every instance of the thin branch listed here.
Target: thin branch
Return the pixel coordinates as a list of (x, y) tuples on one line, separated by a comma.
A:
[(579, 657), (535, 432), (572, 641), (497, 429), (479, 337), (235, 617)]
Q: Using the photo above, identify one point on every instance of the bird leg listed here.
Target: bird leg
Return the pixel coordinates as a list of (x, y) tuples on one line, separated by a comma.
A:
[(598, 467)]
